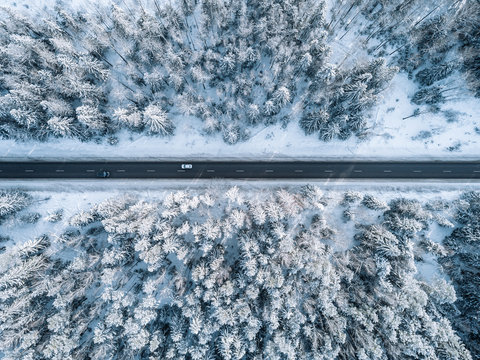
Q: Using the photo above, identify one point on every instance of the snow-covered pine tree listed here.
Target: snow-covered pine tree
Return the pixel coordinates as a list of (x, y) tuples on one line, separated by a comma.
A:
[(157, 121)]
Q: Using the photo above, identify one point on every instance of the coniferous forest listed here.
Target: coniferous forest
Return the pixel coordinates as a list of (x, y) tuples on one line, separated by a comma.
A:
[(235, 65), (248, 274), (304, 269)]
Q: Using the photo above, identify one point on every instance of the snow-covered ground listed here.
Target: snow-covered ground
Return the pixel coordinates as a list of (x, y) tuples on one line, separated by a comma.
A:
[(32, 6), (113, 187)]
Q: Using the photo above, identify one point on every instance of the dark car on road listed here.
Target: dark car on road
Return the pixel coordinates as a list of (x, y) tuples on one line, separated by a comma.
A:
[(103, 174)]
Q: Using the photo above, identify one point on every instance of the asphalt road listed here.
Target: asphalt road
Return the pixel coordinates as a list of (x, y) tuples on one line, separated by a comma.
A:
[(238, 169)]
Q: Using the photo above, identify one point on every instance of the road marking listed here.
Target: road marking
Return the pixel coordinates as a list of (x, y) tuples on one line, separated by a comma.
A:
[(239, 170), (328, 171), (475, 171), (150, 170), (1, 170), (29, 170), (121, 170), (269, 171), (447, 171), (210, 170), (358, 171), (90, 170), (387, 171), (180, 170), (59, 170), (417, 171), (298, 171)]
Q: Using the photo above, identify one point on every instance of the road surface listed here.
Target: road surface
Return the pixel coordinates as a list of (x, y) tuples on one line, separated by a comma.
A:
[(239, 169)]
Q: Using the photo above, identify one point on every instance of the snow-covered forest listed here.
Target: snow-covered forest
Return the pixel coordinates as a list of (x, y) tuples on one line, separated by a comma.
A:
[(297, 272), (236, 66), (248, 271)]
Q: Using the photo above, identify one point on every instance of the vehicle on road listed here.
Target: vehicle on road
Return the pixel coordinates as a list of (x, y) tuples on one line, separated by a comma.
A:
[(103, 174), (187, 166)]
